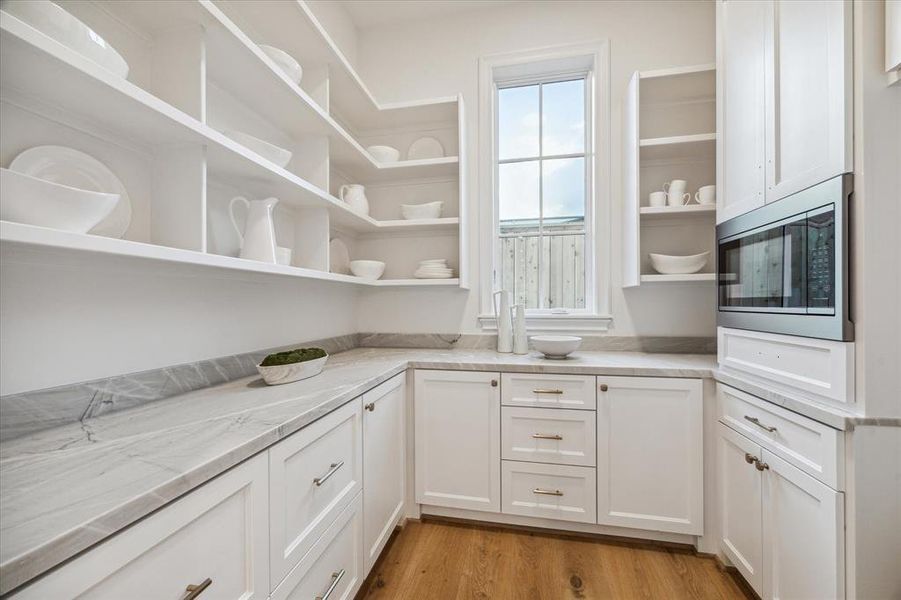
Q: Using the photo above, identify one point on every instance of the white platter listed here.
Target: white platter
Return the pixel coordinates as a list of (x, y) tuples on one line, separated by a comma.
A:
[(271, 152), (338, 257), (424, 148), (73, 168)]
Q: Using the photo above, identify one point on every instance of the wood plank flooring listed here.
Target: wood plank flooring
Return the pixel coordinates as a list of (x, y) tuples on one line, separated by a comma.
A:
[(437, 560)]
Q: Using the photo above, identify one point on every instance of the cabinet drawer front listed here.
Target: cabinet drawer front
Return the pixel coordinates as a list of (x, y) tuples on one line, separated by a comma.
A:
[(315, 473), (560, 492), (810, 446), (565, 437), (335, 560), (817, 369), (216, 532), (550, 391)]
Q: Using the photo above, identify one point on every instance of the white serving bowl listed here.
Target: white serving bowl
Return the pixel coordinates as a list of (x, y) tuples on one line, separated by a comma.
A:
[(384, 154), (556, 346), (271, 152), (429, 210), (279, 374), (367, 269), (56, 22), (678, 265), (285, 62), (33, 201)]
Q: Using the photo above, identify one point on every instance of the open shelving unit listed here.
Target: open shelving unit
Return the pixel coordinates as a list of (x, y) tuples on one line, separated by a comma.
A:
[(668, 133), (194, 73)]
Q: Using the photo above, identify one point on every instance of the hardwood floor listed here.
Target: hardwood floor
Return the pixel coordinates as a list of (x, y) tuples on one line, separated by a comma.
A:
[(434, 560)]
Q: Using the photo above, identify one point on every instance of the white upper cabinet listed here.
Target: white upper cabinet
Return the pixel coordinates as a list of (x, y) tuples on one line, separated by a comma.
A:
[(741, 110), (808, 98)]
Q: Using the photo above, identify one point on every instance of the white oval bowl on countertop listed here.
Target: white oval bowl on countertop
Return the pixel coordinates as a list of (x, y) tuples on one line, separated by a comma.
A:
[(279, 374), (556, 346)]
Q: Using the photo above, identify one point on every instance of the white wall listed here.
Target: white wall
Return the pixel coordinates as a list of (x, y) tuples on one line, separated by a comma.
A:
[(81, 319), (440, 58)]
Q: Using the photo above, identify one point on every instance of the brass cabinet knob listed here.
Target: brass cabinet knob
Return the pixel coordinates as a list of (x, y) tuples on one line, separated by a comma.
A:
[(370, 407), (762, 466), (604, 387)]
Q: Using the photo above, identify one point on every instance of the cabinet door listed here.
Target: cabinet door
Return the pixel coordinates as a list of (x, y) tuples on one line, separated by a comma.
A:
[(383, 464), (741, 106), (650, 453), (740, 503), (808, 94), (457, 415), (803, 534)]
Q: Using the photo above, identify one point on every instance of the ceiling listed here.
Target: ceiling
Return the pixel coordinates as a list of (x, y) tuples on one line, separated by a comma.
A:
[(367, 14)]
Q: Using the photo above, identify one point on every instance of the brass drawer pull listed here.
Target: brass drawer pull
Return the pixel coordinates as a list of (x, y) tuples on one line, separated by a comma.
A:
[(547, 436), (336, 577), (547, 492), (192, 591), (762, 466), (332, 469), (547, 391), (757, 422)]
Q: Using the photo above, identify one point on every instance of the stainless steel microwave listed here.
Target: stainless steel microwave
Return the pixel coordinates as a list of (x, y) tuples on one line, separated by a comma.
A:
[(783, 268)]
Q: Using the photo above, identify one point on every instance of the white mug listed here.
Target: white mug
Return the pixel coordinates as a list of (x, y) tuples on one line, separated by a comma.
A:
[(706, 195), (657, 199), (283, 255), (675, 191)]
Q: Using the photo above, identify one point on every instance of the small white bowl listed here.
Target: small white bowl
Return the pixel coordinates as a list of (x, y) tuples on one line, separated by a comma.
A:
[(678, 265), (285, 62), (283, 255), (271, 152), (33, 201), (556, 347), (279, 374), (430, 210), (384, 154), (367, 269)]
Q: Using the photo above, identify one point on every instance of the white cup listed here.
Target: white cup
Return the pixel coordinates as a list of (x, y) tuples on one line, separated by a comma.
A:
[(283, 255), (675, 191), (706, 195), (657, 199)]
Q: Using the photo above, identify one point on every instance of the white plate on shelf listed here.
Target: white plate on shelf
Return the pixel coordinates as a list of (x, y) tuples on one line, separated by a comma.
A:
[(338, 257), (73, 168), (425, 148)]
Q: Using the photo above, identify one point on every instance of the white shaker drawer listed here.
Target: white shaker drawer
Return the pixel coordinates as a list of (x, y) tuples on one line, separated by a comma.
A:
[(565, 437), (333, 568), (549, 391), (214, 537), (314, 474), (560, 492), (810, 446)]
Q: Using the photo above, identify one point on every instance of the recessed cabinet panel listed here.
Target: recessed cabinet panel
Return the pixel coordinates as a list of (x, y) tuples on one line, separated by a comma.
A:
[(564, 437), (558, 492), (548, 391)]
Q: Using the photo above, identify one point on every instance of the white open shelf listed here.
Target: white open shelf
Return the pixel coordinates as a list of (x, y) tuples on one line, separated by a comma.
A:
[(678, 147), (689, 210), (686, 278)]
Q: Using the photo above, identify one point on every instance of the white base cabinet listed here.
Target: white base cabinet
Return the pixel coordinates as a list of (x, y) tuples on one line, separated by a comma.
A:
[(458, 427)]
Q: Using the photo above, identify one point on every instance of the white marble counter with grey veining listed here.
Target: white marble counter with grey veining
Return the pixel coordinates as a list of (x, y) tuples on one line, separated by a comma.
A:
[(66, 488)]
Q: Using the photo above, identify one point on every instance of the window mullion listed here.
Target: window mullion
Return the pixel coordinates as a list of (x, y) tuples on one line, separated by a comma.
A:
[(540, 194)]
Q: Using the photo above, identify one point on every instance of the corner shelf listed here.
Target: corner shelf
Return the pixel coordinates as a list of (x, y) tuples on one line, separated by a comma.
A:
[(686, 278)]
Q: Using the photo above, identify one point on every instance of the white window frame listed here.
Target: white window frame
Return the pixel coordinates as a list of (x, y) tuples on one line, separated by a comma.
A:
[(560, 63)]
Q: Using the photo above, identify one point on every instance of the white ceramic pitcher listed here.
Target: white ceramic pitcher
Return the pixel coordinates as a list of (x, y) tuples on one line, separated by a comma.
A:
[(258, 236), (354, 195), (504, 322), (520, 339)]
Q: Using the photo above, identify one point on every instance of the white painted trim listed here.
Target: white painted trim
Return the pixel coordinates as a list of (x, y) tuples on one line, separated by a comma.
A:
[(555, 323)]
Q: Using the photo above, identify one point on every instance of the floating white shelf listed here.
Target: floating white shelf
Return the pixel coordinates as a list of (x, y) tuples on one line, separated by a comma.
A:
[(687, 278), (678, 147), (679, 84), (416, 283), (689, 210)]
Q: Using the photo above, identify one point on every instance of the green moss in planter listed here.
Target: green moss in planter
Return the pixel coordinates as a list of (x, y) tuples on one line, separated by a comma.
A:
[(289, 357)]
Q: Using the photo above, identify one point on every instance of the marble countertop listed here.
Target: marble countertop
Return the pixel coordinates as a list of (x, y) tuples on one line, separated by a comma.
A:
[(65, 489)]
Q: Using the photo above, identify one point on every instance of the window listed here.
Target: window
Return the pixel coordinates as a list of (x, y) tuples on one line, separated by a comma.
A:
[(542, 191)]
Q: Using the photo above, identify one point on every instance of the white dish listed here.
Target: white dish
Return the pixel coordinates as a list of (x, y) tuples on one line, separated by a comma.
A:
[(338, 257), (270, 152), (425, 148), (33, 201), (429, 210), (678, 265), (283, 255), (384, 154), (556, 346), (55, 22), (285, 62), (73, 168), (367, 269), (279, 374)]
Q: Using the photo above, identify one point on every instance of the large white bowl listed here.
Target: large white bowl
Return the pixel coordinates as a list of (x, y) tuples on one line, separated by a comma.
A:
[(285, 62), (384, 154), (556, 346), (55, 22), (271, 152), (367, 269), (279, 374), (678, 265), (33, 201), (430, 210)]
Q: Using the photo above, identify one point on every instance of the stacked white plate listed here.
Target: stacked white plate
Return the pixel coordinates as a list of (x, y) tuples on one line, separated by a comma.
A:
[(435, 268)]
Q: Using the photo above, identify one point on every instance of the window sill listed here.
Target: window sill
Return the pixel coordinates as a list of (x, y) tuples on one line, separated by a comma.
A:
[(574, 324)]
